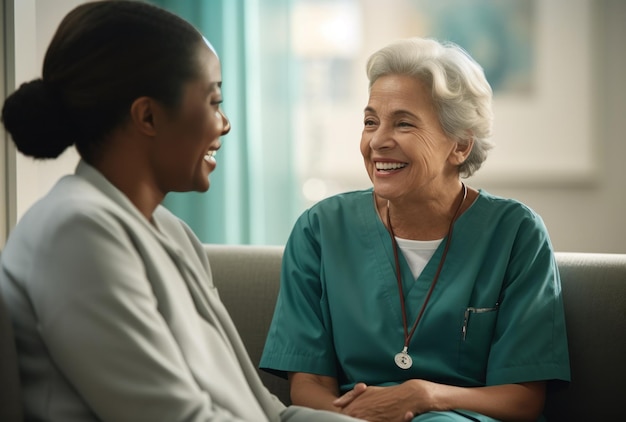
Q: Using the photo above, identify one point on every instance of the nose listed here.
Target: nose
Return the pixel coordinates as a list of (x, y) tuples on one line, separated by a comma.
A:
[(225, 123), (381, 138)]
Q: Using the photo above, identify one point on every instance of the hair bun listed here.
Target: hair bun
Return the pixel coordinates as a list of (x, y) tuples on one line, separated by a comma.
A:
[(37, 121)]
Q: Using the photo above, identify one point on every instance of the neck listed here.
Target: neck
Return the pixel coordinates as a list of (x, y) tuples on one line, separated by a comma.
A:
[(424, 219), (126, 172)]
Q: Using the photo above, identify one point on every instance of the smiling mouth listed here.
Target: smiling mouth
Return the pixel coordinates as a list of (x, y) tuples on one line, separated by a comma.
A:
[(210, 156), (380, 166)]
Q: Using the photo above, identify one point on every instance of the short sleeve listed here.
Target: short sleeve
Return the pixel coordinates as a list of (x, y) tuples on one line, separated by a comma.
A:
[(530, 340), (300, 336)]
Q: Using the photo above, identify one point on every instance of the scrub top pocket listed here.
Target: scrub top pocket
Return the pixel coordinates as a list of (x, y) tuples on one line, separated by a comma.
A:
[(475, 338)]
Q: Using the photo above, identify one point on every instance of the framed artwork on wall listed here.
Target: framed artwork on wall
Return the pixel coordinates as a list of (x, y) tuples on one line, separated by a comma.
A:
[(541, 68)]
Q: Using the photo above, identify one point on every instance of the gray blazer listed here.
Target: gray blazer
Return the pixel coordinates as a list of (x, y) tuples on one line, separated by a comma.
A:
[(118, 320)]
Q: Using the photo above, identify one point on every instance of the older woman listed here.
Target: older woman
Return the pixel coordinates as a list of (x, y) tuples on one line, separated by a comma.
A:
[(422, 297)]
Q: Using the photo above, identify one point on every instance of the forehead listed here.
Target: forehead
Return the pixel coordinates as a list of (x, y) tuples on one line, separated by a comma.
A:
[(399, 90), (210, 68)]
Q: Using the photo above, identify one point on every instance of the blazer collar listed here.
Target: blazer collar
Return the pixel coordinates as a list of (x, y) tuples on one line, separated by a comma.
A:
[(173, 239)]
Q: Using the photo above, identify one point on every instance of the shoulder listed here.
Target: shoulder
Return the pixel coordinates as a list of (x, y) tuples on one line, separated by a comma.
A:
[(72, 219), (71, 200), (334, 221), (505, 210), (341, 204), (508, 223), (74, 210)]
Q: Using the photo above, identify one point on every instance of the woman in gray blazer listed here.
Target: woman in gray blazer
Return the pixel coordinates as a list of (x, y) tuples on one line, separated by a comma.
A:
[(114, 311)]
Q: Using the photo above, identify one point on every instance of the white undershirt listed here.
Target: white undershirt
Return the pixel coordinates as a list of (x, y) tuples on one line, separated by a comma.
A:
[(417, 253)]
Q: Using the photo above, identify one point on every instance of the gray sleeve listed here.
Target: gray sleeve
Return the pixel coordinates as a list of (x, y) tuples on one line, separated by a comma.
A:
[(304, 414)]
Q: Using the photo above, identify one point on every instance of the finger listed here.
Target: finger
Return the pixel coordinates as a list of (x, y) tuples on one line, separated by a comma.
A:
[(347, 398), (408, 416), (344, 400), (359, 388)]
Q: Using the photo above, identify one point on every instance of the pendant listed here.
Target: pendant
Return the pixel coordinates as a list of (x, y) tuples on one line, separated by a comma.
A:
[(403, 360)]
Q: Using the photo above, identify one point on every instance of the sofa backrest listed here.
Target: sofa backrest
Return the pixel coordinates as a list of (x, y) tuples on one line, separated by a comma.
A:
[(248, 278), (594, 293)]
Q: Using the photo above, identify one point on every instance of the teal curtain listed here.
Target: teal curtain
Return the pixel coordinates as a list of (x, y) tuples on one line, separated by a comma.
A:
[(253, 197)]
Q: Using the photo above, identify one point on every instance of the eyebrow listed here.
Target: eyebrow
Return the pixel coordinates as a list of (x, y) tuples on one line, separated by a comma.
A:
[(214, 87)]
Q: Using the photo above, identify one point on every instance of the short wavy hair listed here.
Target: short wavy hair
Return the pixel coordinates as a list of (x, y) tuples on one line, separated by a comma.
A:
[(461, 93)]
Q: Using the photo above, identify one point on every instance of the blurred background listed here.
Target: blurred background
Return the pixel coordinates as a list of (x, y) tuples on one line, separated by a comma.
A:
[(295, 89)]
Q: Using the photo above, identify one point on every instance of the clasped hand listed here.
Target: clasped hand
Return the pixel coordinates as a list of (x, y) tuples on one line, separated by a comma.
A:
[(386, 404)]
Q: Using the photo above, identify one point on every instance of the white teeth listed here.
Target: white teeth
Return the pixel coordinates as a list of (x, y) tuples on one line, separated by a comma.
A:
[(389, 166), (210, 156)]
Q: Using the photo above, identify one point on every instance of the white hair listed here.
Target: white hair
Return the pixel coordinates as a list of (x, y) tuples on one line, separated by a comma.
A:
[(461, 93)]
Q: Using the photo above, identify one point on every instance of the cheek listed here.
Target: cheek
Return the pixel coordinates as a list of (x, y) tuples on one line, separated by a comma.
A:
[(365, 146), (209, 122), (424, 145), (201, 131)]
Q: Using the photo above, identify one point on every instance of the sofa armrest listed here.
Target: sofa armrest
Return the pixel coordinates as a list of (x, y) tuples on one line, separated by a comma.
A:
[(594, 297)]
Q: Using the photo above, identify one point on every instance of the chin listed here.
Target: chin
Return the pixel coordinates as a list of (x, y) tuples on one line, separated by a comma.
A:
[(203, 188), (201, 183)]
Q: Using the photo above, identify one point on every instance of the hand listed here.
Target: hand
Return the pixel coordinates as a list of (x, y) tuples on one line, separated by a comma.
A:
[(399, 403)]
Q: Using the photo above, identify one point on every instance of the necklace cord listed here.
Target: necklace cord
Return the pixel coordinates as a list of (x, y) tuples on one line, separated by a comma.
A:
[(408, 335)]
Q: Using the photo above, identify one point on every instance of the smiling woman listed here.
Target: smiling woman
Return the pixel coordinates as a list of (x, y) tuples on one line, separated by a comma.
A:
[(464, 315), (119, 320)]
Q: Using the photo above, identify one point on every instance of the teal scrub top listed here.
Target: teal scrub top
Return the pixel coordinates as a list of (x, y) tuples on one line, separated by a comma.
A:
[(338, 312)]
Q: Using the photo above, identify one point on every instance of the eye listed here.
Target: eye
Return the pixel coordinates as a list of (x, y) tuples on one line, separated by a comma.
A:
[(369, 122), (405, 124)]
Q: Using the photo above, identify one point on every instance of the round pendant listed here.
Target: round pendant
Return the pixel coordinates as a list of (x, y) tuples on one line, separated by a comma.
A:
[(403, 360)]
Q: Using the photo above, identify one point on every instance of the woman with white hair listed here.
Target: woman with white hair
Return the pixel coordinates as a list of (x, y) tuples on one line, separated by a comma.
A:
[(421, 298)]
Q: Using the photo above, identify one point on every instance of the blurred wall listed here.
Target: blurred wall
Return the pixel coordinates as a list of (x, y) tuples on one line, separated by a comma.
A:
[(591, 217)]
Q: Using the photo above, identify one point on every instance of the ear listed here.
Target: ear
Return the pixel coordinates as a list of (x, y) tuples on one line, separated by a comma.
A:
[(461, 151), (142, 115)]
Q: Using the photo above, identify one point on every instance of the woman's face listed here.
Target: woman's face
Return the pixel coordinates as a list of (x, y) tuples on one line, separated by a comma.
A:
[(405, 150), (188, 136)]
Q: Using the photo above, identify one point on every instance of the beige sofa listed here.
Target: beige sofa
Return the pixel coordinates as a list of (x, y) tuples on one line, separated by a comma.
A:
[(594, 290)]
